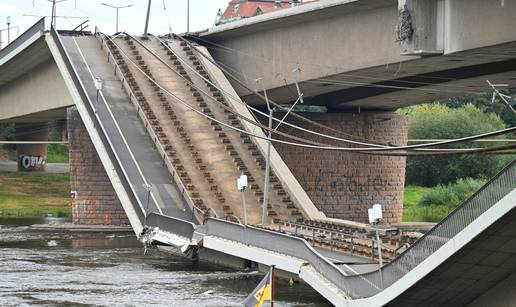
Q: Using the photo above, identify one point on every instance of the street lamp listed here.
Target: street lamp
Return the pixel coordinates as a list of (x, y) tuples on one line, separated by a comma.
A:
[(8, 30), (117, 8), (187, 16)]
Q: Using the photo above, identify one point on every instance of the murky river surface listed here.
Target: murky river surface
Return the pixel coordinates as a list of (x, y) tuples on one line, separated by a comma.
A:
[(91, 269)]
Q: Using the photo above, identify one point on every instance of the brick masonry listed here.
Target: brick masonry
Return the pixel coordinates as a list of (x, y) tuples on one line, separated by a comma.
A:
[(343, 185), (96, 202)]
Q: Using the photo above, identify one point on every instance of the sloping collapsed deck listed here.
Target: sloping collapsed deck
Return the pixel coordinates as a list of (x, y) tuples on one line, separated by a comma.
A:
[(136, 135)]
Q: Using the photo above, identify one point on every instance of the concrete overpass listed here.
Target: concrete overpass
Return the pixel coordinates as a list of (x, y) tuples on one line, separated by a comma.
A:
[(32, 89), (349, 57)]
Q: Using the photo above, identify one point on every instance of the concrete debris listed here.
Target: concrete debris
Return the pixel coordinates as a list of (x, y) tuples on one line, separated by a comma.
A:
[(147, 236)]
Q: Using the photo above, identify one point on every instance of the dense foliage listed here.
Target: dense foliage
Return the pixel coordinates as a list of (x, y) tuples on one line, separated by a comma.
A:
[(451, 195), (438, 121)]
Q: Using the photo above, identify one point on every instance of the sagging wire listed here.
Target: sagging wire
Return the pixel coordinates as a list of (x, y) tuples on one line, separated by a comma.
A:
[(344, 149), (263, 114), (263, 98)]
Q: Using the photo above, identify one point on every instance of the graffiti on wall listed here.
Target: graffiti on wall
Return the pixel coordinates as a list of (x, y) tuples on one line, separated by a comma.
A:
[(30, 162)]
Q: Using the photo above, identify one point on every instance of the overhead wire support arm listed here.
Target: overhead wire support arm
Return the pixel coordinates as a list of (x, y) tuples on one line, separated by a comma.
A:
[(505, 98)]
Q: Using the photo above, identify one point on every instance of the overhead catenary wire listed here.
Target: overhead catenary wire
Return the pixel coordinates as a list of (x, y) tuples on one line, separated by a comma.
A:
[(298, 144), (211, 83), (261, 96), (243, 117), (237, 99), (282, 108)]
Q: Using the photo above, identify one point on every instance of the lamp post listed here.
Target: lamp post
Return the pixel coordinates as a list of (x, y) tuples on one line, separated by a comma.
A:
[(187, 16), (8, 30), (117, 8), (54, 11)]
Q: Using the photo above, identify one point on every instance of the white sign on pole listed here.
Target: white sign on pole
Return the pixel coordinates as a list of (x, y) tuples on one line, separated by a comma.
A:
[(242, 183)]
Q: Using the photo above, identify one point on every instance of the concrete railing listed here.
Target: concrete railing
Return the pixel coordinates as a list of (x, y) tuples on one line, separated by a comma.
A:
[(171, 224), (283, 244), (37, 28)]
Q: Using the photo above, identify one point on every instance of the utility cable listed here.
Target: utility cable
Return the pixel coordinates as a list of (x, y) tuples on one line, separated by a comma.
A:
[(243, 117), (298, 144), (263, 114)]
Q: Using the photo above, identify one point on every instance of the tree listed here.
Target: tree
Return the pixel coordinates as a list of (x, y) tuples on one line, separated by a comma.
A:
[(485, 104), (437, 121)]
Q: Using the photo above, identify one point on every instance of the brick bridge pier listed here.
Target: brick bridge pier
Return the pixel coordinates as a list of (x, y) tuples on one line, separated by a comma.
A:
[(342, 185)]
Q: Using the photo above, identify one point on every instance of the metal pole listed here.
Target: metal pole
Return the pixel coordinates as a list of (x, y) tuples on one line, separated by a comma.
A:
[(380, 260), (268, 160), (116, 20), (8, 30), (53, 20), (245, 209), (116, 13), (187, 16), (147, 20), (273, 284)]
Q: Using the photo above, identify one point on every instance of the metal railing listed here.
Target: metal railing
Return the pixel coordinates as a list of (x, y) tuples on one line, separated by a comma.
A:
[(369, 284), (492, 192)]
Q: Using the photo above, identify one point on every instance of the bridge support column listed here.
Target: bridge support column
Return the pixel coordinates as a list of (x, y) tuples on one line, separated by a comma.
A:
[(94, 199), (344, 185), (32, 157)]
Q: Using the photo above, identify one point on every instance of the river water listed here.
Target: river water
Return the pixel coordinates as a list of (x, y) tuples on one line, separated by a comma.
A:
[(91, 269)]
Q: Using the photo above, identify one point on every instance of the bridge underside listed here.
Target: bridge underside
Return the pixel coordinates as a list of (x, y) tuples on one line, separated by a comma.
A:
[(480, 266), (388, 87), (344, 53)]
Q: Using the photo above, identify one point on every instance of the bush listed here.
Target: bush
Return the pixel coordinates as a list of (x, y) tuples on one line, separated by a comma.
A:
[(451, 195), (437, 121)]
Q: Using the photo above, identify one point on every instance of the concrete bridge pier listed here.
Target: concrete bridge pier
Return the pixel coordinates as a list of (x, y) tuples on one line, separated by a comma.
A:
[(344, 185), (32, 157)]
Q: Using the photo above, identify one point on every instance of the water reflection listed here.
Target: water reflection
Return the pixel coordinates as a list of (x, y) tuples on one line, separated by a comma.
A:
[(89, 269)]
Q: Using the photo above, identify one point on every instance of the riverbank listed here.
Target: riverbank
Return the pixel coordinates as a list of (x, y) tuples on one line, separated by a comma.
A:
[(34, 194)]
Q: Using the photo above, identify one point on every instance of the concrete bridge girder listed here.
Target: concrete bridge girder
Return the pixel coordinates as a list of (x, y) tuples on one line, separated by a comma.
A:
[(343, 47), (40, 95)]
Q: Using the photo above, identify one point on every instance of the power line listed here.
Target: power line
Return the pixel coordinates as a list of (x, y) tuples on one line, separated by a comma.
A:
[(345, 149), (275, 104)]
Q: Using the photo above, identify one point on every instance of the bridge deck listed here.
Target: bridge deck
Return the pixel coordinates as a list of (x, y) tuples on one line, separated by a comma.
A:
[(91, 62)]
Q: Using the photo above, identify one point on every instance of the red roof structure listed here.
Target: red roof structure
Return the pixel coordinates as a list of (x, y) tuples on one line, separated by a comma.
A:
[(239, 9)]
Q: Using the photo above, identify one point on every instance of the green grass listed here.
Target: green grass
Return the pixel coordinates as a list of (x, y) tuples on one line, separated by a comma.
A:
[(34, 194), (422, 204), (414, 212), (56, 153)]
